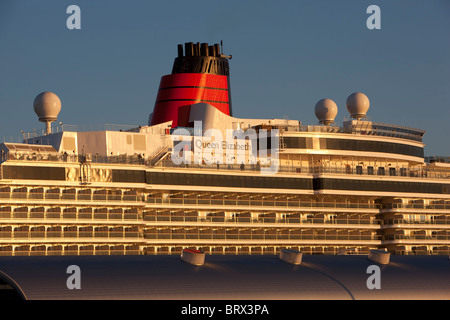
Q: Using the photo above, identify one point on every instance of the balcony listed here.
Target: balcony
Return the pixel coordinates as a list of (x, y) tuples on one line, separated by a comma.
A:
[(245, 219), (417, 239), (387, 207), (399, 223), (69, 236), (258, 238), (64, 252), (19, 216), (66, 197), (262, 204)]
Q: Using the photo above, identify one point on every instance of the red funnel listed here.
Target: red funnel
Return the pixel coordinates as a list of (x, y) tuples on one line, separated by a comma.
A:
[(195, 78)]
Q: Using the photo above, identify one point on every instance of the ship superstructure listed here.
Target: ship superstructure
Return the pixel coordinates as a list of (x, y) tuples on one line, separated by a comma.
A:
[(196, 177)]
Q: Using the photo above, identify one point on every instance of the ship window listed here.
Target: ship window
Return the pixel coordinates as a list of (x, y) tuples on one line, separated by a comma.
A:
[(128, 176), (403, 172), (34, 173), (240, 181), (160, 178), (188, 179), (197, 180), (168, 179), (387, 186), (216, 180), (225, 181), (355, 145), (209, 180), (359, 170)]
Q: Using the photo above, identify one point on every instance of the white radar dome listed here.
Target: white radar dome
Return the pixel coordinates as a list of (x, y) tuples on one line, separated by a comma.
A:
[(326, 110), (47, 106), (357, 105)]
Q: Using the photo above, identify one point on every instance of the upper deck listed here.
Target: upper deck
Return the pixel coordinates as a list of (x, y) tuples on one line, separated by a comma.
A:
[(365, 128), (357, 149)]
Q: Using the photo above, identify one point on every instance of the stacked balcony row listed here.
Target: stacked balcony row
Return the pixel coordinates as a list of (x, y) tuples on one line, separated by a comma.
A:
[(256, 250), (55, 233), (236, 217), (260, 234), (69, 249), (23, 213), (69, 194), (253, 200)]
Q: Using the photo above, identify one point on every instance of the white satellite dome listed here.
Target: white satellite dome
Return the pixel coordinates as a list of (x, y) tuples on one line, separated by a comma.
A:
[(47, 106), (357, 105), (326, 110)]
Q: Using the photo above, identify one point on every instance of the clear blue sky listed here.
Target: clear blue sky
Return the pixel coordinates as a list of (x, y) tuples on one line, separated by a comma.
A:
[(287, 55)]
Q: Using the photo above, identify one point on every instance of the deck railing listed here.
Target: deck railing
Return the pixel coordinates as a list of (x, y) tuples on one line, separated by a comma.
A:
[(60, 235), (52, 217), (77, 197), (432, 206), (350, 168), (417, 222), (69, 252), (263, 237), (417, 237), (260, 203), (259, 221)]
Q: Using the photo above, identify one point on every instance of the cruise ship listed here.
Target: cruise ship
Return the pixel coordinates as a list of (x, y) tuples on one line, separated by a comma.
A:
[(196, 177)]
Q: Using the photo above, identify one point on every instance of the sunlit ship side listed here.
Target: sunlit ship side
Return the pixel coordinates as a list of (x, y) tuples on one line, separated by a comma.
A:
[(72, 190)]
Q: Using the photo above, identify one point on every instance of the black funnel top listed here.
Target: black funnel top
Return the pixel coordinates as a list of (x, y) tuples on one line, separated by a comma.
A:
[(201, 58)]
